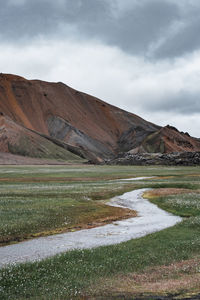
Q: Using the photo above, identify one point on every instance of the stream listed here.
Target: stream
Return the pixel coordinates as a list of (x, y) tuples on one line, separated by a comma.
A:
[(149, 219)]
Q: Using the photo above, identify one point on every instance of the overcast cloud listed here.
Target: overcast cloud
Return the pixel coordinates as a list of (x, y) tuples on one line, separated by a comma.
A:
[(140, 55)]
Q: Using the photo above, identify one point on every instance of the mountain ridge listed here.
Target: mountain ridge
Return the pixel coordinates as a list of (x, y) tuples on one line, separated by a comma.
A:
[(83, 123)]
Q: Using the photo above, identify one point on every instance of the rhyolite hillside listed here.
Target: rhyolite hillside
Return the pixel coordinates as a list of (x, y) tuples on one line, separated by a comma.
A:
[(52, 120)]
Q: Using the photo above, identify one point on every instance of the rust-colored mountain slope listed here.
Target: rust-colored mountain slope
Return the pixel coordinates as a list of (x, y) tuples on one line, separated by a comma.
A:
[(79, 120), (166, 140)]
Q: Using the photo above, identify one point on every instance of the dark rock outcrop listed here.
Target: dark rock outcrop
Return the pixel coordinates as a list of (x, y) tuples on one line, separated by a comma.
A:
[(169, 159)]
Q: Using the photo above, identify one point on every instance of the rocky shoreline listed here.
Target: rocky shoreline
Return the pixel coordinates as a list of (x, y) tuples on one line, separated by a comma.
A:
[(169, 159)]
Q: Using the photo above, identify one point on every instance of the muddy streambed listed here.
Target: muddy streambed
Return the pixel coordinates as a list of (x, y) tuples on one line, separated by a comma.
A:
[(150, 219)]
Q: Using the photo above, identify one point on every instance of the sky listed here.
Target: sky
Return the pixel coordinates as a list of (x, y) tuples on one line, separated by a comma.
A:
[(140, 55)]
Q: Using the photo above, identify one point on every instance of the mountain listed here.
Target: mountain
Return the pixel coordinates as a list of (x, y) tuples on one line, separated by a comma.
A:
[(54, 119), (17, 139)]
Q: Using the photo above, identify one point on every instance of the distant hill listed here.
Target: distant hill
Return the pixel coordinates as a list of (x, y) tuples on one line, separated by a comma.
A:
[(52, 120)]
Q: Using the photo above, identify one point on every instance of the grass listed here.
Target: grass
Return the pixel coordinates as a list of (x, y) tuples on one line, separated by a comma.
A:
[(29, 217), (41, 148), (71, 273), (36, 209), (184, 205), (74, 195)]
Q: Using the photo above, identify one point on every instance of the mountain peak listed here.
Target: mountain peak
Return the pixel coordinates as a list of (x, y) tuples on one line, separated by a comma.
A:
[(11, 77)]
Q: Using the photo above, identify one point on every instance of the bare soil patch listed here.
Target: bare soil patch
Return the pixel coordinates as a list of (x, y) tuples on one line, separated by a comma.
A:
[(177, 278), (50, 179)]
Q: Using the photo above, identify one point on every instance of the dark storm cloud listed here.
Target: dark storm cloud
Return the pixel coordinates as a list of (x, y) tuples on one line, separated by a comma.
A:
[(133, 30), (32, 18), (138, 28)]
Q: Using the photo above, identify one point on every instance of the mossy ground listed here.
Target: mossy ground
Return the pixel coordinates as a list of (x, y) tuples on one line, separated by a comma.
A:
[(41, 148), (101, 272)]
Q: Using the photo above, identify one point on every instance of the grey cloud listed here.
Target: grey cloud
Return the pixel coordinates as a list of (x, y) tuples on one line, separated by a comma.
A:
[(185, 41), (132, 30), (37, 17), (184, 102), (133, 27)]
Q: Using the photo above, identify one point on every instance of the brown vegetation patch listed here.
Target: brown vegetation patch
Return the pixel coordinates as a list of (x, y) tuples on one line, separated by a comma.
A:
[(120, 214), (51, 179), (165, 192), (180, 277)]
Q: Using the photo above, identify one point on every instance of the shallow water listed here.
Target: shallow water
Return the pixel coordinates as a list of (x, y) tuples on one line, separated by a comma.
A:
[(136, 178), (150, 219)]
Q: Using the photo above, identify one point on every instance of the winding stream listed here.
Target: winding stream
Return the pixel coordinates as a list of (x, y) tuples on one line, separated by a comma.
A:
[(150, 219)]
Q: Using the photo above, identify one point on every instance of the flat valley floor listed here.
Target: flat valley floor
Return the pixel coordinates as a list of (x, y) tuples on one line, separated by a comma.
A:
[(40, 200)]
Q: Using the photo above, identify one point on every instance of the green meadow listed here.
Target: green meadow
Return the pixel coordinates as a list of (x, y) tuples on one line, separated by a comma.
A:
[(42, 200)]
